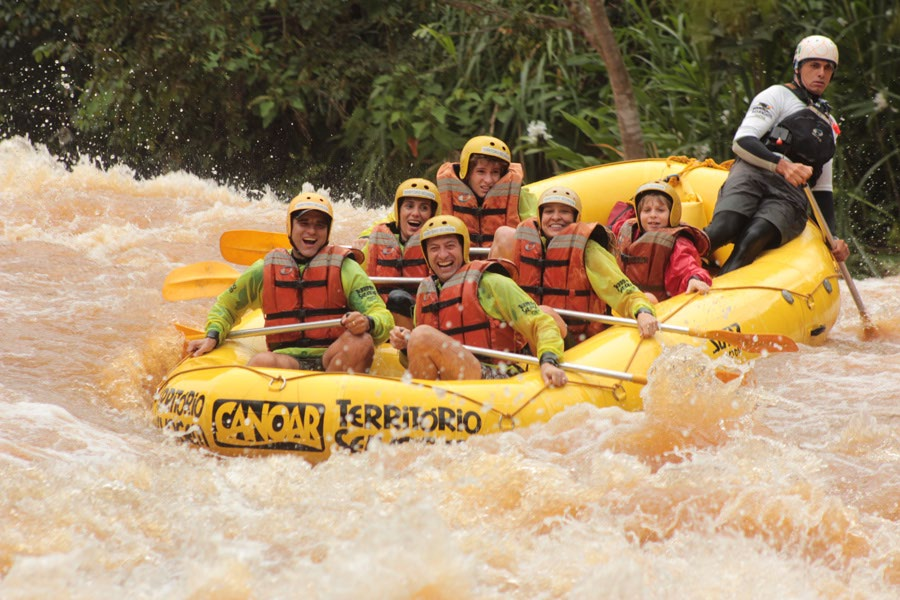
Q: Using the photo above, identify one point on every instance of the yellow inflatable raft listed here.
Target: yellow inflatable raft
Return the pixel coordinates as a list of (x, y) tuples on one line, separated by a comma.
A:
[(217, 402)]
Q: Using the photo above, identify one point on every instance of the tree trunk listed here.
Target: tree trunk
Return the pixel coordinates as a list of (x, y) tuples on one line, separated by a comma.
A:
[(594, 24)]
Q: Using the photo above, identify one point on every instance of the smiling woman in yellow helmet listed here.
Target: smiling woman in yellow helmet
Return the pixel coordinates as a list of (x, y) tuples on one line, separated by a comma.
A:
[(482, 189), (786, 141), (658, 252), (391, 248), (473, 303), (565, 263), (314, 281)]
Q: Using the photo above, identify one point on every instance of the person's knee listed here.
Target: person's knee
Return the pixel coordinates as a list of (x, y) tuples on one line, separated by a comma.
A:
[(760, 235), (504, 244), (725, 227), (421, 339), (273, 360)]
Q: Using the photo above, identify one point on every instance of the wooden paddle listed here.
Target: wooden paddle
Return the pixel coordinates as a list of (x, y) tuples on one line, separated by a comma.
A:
[(198, 280), (246, 246), (513, 357), (751, 342), (193, 333), (870, 331)]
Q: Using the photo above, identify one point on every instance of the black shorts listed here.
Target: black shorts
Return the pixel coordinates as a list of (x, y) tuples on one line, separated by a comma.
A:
[(504, 371)]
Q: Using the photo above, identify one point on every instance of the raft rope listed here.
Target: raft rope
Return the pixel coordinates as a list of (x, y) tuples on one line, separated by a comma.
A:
[(617, 391)]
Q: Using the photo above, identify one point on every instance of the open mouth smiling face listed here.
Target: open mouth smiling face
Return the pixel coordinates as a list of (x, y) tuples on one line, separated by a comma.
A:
[(445, 255), (310, 232), (413, 213)]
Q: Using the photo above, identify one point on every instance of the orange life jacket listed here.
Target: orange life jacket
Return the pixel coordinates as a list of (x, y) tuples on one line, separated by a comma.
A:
[(557, 276), (500, 205), (644, 260), (388, 259), (456, 311), (289, 297)]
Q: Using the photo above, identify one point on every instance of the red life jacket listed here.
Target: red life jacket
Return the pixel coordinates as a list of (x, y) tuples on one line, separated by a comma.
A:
[(317, 295), (388, 259), (644, 260), (456, 311), (500, 205), (557, 276)]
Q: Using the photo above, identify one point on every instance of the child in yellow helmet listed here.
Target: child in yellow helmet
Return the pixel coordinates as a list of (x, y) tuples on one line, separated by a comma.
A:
[(657, 251), (482, 189)]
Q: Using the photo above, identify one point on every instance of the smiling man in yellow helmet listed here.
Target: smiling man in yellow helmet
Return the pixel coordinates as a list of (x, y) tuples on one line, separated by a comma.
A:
[(473, 303), (314, 281), (482, 189)]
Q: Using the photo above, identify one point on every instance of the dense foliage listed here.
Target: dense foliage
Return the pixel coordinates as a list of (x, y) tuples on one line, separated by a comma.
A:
[(358, 95)]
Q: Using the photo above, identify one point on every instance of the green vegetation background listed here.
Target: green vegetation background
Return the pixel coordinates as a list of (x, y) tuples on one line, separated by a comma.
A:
[(356, 96)]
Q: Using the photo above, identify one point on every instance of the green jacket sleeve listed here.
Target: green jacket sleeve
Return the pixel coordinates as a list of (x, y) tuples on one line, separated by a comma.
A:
[(611, 284), (244, 294), (502, 299), (363, 297)]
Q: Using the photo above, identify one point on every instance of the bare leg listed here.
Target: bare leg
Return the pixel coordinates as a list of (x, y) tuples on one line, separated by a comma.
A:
[(350, 353), (273, 360), (435, 355), (504, 244)]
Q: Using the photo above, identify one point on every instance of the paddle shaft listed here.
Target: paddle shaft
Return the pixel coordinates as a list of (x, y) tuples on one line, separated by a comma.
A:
[(284, 328), (753, 342), (513, 357), (845, 273)]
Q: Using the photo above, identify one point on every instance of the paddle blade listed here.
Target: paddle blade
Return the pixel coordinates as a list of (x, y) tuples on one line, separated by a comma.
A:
[(750, 342), (199, 280), (191, 333), (245, 246)]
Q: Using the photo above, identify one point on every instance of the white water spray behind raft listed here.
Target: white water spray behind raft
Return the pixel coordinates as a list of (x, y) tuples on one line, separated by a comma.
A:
[(787, 486)]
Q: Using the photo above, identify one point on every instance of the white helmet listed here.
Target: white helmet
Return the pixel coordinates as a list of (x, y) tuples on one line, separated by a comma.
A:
[(816, 46)]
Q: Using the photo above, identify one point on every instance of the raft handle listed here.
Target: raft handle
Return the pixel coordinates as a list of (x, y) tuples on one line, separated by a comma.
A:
[(283, 383)]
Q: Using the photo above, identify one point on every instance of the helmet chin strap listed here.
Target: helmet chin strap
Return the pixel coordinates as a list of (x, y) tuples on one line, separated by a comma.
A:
[(799, 81)]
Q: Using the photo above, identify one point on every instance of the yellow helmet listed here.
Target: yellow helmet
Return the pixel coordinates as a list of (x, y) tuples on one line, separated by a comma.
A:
[(559, 194), (659, 187), (444, 225), (309, 201), (486, 146), (417, 188)]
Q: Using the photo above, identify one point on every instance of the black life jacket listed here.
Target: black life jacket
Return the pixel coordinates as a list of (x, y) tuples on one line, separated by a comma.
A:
[(806, 136)]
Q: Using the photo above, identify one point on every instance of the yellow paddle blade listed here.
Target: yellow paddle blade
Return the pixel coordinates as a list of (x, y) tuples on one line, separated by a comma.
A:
[(199, 280), (245, 246), (191, 333)]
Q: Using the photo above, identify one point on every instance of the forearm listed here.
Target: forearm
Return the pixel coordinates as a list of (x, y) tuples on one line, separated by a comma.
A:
[(684, 264), (244, 294), (754, 152), (364, 298), (610, 283)]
